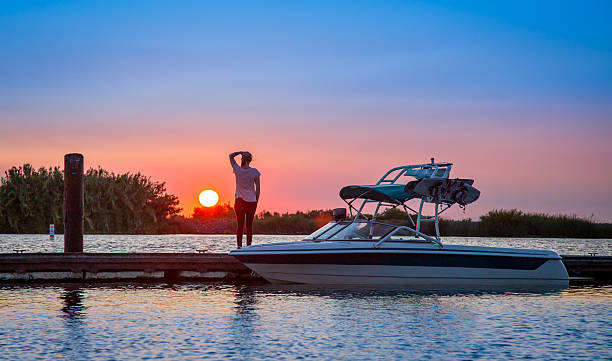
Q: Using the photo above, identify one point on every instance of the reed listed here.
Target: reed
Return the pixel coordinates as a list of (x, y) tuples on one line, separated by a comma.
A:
[(127, 203), (514, 223)]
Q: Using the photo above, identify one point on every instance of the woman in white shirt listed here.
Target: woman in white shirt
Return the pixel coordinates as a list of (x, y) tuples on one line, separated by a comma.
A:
[(247, 195)]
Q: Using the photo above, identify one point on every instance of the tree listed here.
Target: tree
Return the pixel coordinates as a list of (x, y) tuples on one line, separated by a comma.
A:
[(214, 212), (30, 200), (114, 203)]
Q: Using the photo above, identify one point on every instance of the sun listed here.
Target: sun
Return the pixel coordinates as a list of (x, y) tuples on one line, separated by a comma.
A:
[(208, 198)]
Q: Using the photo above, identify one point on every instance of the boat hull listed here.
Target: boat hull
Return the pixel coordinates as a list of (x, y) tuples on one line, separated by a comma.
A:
[(361, 263), (551, 272)]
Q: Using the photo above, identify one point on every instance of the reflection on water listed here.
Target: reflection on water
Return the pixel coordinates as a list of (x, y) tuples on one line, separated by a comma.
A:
[(368, 292), (75, 342), (287, 322), (245, 302), (243, 326), (589, 292), (73, 305)]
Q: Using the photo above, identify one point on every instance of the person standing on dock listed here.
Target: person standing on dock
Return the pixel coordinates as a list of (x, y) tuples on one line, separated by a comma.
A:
[(247, 195)]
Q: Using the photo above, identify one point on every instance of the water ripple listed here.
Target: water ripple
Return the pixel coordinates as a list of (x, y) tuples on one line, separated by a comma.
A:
[(297, 322), (224, 243)]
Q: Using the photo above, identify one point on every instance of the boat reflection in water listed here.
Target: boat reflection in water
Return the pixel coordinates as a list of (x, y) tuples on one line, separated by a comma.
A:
[(365, 251)]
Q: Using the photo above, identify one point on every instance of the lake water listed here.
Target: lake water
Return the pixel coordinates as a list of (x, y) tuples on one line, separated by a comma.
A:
[(225, 243), (255, 322), (198, 321)]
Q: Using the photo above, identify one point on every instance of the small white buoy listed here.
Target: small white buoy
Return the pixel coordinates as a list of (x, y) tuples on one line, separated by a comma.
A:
[(51, 232)]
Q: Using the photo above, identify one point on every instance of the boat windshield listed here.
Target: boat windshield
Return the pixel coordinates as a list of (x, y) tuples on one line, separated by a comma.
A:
[(362, 230), (321, 230)]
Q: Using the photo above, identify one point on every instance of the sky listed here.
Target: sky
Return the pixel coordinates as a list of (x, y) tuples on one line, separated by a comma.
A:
[(518, 95)]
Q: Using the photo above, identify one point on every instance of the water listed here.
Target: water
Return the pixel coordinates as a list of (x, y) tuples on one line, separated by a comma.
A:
[(297, 322), (224, 243), (238, 322)]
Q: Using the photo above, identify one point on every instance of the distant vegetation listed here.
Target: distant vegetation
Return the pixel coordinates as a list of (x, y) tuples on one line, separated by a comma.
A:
[(133, 204), (220, 219), (496, 223), (512, 223), (127, 203)]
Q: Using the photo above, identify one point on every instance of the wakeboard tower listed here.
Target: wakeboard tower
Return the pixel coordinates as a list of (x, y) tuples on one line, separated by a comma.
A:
[(431, 185)]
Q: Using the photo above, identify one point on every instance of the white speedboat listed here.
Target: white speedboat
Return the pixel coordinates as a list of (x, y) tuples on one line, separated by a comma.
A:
[(365, 251)]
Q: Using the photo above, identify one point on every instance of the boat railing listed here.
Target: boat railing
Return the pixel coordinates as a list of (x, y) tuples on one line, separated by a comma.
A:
[(411, 230), (425, 170)]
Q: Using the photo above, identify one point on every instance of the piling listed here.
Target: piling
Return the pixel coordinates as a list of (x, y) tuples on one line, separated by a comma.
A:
[(74, 198)]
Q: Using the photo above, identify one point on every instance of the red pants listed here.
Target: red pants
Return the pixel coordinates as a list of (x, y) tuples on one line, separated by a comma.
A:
[(245, 212)]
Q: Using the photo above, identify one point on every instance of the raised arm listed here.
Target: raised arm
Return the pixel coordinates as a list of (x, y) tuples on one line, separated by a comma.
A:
[(232, 160), (257, 188)]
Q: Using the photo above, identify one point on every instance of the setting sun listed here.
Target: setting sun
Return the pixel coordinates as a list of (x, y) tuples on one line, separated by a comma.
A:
[(208, 198)]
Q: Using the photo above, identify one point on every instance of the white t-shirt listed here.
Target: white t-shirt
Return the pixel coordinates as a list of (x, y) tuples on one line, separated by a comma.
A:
[(245, 182)]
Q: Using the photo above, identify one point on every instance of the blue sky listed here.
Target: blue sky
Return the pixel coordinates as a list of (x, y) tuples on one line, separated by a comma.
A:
[(409, 53), (446, 72)]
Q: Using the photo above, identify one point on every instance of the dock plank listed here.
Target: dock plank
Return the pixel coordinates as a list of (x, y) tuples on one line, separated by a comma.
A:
[(121, 266)]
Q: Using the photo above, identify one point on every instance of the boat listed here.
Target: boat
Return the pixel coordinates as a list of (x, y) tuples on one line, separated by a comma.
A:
[(362, 249)]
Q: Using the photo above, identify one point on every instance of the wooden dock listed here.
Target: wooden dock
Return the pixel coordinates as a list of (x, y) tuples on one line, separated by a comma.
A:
[(597, 268), (180, 267), (107, 267)]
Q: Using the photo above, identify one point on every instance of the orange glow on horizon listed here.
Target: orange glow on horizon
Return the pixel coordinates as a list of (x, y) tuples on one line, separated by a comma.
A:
[(529, 168)]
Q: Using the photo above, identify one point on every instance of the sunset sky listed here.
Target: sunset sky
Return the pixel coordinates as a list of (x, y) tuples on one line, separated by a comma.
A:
[(324, 94)]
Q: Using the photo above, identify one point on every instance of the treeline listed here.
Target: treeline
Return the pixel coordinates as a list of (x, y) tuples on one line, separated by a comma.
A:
[(220, 219), (497, 223), (512, 223), (127, 203)]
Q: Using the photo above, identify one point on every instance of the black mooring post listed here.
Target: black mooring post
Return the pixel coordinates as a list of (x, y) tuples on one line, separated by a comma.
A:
[(74, 196)]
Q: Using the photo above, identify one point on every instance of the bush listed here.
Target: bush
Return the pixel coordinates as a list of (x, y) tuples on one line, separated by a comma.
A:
[(114, 203)]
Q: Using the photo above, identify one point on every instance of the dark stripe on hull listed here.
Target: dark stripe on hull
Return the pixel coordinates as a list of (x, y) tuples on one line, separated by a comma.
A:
[(398, 259), (344, 249)]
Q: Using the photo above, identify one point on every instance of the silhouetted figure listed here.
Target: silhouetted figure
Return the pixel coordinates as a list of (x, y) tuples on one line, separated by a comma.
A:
[(247, 195)]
